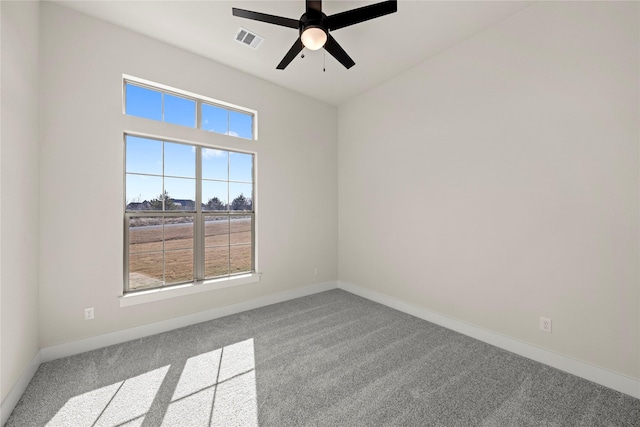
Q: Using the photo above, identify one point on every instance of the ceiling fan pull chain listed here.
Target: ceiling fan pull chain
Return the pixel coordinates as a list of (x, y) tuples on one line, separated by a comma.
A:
[(324, 61)]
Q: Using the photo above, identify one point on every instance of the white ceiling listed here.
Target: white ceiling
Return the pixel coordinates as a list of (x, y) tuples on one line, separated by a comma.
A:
[(381, 48)]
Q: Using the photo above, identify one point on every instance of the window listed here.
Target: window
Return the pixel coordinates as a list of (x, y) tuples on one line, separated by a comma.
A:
[(189, 208), (189, 212), (187, 110)]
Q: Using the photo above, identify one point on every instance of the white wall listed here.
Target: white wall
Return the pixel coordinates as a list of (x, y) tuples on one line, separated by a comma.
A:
[(498, 182), (81, 178), (19, 189)]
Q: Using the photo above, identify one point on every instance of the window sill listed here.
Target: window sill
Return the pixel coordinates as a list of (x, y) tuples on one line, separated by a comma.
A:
[(151, 295)]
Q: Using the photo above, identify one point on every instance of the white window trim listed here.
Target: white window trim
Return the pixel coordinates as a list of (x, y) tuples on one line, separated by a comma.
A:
[(159, 294), (197, 286)]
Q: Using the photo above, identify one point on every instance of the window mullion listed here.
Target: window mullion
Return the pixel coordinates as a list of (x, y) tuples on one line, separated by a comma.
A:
[(199, 221), (199, 231), (228, 210), (164, 255)]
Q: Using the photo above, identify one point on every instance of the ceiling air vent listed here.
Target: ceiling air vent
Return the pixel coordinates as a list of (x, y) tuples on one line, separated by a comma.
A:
[(248, 38)]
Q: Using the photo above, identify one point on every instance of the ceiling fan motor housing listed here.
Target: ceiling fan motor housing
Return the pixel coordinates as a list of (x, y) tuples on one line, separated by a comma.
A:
[(313, 29), (313, 19)]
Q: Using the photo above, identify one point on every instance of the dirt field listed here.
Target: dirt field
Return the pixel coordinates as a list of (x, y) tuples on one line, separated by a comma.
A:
[(227, 250)]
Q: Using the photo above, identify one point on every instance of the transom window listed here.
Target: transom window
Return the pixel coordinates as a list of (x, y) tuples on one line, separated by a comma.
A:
[(154, 103)]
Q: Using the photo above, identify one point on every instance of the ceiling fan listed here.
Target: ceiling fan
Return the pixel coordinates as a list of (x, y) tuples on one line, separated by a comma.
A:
[(314, 27)]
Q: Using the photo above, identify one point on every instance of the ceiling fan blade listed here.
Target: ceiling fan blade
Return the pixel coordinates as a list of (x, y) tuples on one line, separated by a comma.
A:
[(271, 19), (338, 52), (314, 5), (361, 14), (295, 49)]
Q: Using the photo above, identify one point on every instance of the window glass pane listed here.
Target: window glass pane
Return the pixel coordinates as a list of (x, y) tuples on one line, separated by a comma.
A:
[(143, 192), (178, 232), (240, 167), (145, 270), (178, 266), (214, 195), (179, 160), (180, 111), (215, 164), (143, 102), (240, 259), (240, 229), (215, 119), (240, 124), (145, 234), (180, 194), (216, 230), (144, 155), (216, 261), (241, 197)]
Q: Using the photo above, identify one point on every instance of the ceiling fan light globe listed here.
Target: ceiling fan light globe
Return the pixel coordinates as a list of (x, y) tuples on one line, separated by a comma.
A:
[(313, 38)]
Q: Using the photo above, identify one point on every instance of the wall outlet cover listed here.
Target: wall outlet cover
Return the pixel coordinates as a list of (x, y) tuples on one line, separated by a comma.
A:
[(545, 324)]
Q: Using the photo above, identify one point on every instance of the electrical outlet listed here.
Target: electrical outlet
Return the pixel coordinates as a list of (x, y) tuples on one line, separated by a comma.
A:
[(545, 324), (88, 313), (315, 271)]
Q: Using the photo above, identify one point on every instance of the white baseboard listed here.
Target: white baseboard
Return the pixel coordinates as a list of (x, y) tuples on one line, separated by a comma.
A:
[(92, 343), (11, 400), (578, 368)]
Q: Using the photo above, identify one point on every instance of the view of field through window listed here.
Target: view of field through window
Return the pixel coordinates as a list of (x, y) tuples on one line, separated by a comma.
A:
[(161, 249)]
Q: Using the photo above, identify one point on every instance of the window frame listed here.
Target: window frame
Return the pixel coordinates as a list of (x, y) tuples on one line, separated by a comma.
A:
[(199, 100), (199, 233), (200, 282)]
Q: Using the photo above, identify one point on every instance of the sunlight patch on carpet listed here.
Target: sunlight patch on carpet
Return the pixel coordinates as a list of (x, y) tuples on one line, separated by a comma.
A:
[(214, 388), (217, 388), (122, 403)]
